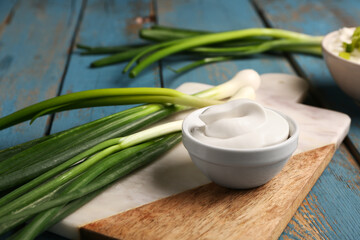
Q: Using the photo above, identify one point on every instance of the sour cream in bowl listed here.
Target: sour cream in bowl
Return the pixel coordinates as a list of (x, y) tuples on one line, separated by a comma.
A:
[(239, 144), (346, 72)]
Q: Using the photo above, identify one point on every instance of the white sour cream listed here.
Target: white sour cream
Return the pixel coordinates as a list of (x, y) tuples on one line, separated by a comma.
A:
[(241, 124), (336, 45)]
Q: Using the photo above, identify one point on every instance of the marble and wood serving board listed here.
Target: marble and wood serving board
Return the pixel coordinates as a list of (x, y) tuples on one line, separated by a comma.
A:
[(171, 199)]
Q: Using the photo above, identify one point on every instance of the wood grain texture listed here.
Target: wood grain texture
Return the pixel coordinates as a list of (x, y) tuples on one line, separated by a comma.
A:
[(214, 212), (6, 13), (105, 23), (33, 55)]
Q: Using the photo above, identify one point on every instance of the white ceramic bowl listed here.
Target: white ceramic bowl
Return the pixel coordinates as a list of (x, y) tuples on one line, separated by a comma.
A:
[(238, 168), (345, 73)]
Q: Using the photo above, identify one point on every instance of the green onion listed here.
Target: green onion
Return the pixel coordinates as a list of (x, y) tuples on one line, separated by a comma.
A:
[(103, 97), (241, 51), (200, 63), (11, 151), (116, 58), (148, 50), (248, 50), (212, 38), (106, 50), (162, 33), (50, 217), (345, 55), (221, 46)]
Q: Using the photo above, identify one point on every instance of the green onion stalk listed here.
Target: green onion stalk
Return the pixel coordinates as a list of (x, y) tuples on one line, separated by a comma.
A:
[(214, 47), (49, 178), (103, 97)]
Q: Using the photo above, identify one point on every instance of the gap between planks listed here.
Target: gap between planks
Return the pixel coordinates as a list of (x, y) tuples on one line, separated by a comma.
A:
[(67, 62)]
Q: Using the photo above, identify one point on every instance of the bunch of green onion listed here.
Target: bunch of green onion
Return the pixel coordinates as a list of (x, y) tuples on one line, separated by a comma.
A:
[(210, 47), (46, 179)]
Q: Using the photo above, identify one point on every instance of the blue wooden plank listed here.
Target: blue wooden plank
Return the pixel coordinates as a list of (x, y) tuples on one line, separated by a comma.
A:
[(105, 23), (212, 16), (33, 53), (331, 210)]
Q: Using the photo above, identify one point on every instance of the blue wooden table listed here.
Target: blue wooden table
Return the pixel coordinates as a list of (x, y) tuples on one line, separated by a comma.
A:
[(38, 60)]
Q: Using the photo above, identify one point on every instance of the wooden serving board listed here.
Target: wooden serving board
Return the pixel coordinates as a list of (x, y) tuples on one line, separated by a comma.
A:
[(171, 199), (214, 212)]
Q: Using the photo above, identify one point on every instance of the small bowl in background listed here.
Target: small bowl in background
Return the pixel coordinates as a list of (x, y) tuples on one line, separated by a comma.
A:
[(345, 73), (238, 168)]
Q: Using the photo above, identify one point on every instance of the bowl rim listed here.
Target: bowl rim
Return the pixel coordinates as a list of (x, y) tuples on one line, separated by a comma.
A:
[(293, 137), (324, 47)]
